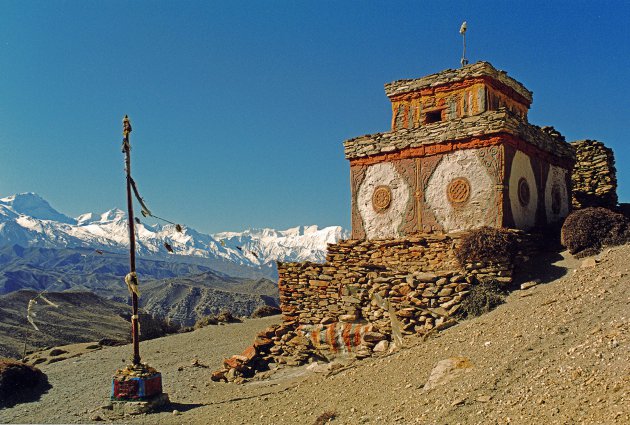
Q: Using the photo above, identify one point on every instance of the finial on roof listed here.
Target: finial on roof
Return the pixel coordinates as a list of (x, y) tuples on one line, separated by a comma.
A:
[(462, 31)]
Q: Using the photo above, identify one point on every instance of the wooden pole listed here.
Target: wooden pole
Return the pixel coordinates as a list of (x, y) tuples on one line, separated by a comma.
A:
[(132, 240)]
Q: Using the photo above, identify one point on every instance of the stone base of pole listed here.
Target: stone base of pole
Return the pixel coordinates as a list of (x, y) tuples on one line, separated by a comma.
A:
[(138, 384)]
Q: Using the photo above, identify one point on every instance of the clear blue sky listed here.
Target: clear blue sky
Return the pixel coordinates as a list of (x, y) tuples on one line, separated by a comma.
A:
[(240, 108)]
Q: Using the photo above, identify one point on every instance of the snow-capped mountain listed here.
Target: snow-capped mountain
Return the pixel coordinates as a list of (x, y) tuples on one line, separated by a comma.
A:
[(28, 220)]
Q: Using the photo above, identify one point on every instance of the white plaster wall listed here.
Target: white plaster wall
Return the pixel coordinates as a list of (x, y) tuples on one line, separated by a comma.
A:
[(524, 216), (556, 177), (483, 194), (384, 224)]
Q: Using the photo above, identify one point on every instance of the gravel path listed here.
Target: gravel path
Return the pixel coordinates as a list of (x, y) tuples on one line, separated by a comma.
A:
[(558, 353)]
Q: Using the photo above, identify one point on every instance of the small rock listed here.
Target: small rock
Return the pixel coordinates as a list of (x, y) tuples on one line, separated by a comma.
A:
[(373, 337), (588, 263), (458, 402), (176, 412), (348, 318), (381, 347), (530, 284), (96, 418), (446, 370)]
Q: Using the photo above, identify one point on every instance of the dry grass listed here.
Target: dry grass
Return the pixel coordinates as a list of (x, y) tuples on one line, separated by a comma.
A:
[(486, 244), (264, 311), (17, 378), (586, 231), (483, 297)]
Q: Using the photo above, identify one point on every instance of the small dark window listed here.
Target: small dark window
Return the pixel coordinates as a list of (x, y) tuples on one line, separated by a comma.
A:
[(434, 116)]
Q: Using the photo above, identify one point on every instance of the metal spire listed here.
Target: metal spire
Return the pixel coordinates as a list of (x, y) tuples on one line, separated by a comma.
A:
[(462, 31)]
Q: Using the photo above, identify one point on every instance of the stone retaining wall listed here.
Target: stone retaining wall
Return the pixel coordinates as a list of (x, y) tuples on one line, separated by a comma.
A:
[(366, 294), (594, 176), (419, 278)]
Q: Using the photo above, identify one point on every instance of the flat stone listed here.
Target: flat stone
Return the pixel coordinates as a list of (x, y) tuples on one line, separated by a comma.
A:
[(381, 346), (589, 263), (373, 337), (447, 370), (530, 284), (348, 318)]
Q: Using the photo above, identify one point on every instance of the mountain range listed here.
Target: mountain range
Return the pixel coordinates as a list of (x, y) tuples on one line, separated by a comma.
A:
[(29, 221)]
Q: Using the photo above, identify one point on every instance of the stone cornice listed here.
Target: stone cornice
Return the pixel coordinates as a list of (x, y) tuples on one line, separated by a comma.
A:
[(448, 76), (488, 123)]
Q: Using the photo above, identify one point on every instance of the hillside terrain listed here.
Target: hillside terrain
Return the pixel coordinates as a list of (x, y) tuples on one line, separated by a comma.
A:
[(557, 353), (78, 317), (83, 316)]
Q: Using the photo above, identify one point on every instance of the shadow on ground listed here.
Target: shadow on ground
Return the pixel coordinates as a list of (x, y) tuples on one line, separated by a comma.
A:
[(545, 267), (181, 407)]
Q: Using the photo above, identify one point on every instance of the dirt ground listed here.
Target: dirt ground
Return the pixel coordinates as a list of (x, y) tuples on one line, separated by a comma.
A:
[(557, 353)]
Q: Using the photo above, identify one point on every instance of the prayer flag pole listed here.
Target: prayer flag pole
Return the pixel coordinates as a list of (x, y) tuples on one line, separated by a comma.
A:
[(137, 382), (132, 244)]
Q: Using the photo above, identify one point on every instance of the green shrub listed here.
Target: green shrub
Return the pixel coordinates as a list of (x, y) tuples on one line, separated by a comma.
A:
[(486, 244), (586, 231), (483, 297)]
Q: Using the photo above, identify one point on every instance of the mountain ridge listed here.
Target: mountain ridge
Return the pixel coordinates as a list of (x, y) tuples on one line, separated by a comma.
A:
[(28, 220)]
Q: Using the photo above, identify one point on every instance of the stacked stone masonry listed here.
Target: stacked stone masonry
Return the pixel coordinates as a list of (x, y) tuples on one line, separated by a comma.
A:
[(418, 276), (594, 177), (486, 124)]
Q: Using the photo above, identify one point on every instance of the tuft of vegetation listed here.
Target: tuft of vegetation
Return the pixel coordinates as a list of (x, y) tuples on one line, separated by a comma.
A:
[(586, 231), (325, 418), (486, 244), (155, 327), (224, 316), (205, 321), (17, 378), (483, 297), (264, 311)]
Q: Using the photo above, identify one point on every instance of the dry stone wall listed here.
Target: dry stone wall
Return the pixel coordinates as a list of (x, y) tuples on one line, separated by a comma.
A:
[(594, 175), (418, 278), (365, 295)]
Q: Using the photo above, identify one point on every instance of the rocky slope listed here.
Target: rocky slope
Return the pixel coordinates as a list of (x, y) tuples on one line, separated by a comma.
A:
[(557, 353)]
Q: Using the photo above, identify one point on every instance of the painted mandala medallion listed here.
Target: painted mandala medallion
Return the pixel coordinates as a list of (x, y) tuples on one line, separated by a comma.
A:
[(458, 191), (381, 198)]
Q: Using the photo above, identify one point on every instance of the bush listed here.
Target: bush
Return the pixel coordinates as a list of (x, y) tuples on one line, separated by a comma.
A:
[(585, 231), (486, 244), (205, 321), (226, 316), (483, 297), (155, 327), (265, 310), (223, 317), (17, 378)]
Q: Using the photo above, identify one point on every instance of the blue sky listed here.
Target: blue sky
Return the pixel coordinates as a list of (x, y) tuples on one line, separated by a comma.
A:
[(240, 109)]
